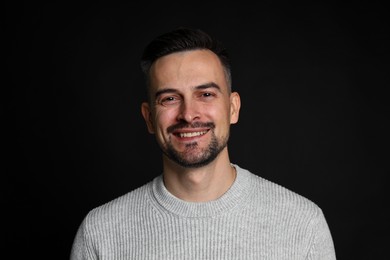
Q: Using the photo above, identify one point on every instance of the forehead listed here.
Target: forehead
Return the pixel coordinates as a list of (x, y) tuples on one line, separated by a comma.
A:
[(187, 68)]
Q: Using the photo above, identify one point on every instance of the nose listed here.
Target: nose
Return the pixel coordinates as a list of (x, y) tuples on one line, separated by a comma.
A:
[(188, 111)]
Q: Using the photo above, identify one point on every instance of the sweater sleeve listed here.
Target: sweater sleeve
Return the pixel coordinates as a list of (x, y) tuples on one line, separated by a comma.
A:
[(81, 248), (322, 247)]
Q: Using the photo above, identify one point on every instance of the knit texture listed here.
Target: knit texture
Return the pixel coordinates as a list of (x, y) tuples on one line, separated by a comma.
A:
[(254, 219)]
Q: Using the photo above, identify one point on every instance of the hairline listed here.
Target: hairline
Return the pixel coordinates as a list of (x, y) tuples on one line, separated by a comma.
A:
[(226, 70)]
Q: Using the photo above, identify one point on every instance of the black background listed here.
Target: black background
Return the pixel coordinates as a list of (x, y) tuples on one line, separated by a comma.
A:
[(314, 118)]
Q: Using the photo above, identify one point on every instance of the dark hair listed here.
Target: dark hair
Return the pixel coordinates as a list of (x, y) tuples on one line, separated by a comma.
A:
[(183, 39)]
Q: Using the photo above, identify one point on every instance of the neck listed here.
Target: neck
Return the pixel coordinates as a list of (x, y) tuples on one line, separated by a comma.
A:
[(201, 184)]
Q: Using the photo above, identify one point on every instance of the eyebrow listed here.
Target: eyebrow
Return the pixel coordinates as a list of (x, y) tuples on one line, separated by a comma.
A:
[(203, 86), (208, 85)]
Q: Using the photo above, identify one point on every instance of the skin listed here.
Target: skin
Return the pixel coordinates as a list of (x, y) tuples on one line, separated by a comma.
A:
[(191, 109)]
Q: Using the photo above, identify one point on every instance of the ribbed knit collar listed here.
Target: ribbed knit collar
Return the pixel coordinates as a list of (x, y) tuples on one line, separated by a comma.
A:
[(232, 198)]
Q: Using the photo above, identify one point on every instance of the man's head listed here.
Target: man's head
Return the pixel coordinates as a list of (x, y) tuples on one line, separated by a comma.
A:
[(190, 106)]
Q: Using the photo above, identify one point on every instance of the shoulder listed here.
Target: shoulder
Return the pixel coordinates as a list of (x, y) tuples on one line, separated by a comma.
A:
[(120, 209), (290, 216), (271, 196)]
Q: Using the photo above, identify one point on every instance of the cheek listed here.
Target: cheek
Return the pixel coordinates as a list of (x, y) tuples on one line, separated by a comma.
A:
[(164, 118), (218, 113)]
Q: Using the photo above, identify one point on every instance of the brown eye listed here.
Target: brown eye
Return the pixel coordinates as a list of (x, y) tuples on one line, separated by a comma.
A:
[(207, 95), (169, 100)]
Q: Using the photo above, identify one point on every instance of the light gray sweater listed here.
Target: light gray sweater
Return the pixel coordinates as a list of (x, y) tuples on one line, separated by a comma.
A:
[(254, 219)]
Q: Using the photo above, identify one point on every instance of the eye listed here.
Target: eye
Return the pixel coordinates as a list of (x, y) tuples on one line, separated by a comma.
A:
[(168, 100), (207, 95)]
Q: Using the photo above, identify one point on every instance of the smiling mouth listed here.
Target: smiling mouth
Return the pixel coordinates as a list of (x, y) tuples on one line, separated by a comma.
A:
[(191, 134)]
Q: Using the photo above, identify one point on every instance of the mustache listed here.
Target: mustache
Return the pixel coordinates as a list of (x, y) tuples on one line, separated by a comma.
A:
[(182, 125)]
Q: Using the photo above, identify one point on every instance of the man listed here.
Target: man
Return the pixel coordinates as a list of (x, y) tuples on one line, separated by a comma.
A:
[(202, 206)]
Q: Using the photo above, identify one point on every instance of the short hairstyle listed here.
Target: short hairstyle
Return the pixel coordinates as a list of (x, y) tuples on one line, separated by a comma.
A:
[(184, 39)]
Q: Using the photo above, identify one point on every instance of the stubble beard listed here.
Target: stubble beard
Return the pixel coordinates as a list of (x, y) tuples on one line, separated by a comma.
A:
[(195, 157)]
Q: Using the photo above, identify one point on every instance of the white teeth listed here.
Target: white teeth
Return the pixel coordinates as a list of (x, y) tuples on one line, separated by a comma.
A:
[(192, 134)]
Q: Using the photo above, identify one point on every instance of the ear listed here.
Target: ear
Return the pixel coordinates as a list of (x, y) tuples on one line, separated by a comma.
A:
[(235, 105), (147, 114)]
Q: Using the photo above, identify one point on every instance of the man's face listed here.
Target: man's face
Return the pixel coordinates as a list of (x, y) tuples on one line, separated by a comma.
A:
[(191, 107)]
